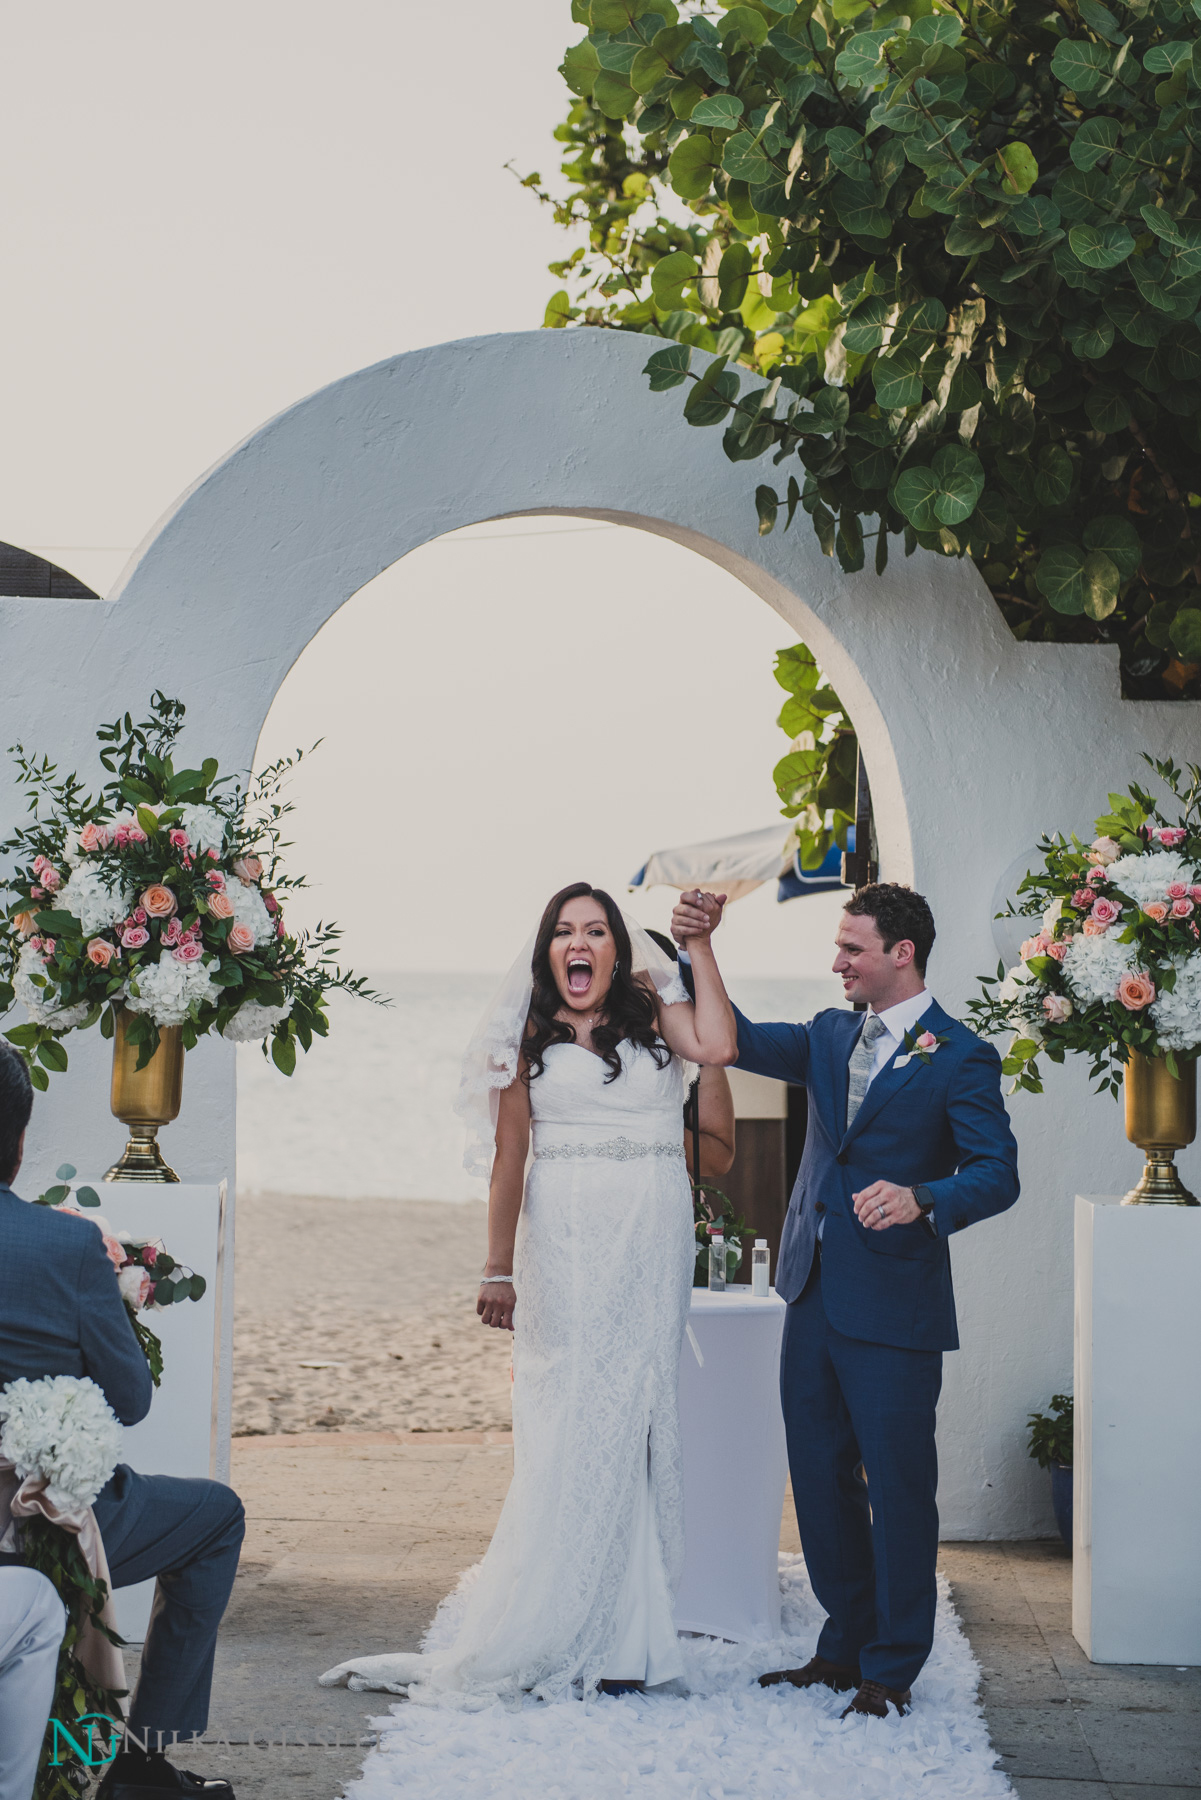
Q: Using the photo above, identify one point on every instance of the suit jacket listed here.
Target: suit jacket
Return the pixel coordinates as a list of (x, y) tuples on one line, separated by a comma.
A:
[(61, 1311), (941, 1125)]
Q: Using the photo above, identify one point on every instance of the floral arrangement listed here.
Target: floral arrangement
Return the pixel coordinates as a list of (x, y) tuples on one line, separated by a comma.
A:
[(162, 896), (1115, 965), (149, 1278)]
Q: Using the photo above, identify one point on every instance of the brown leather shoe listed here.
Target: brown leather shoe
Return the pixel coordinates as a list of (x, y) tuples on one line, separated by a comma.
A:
[(817, 1672), (874, 1699)]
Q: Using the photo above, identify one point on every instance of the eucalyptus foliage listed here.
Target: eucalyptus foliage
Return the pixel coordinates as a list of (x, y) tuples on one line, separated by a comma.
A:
[(961, 246)]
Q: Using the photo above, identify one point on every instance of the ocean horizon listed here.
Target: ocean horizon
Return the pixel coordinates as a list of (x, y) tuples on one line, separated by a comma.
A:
[(369, 1113)]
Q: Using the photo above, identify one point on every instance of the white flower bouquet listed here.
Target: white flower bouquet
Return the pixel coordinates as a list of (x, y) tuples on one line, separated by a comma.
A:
[(62, 1430), (1115, 965), (163, 896)]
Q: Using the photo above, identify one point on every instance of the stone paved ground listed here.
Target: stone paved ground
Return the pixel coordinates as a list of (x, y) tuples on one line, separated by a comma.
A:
[(354, 1538)]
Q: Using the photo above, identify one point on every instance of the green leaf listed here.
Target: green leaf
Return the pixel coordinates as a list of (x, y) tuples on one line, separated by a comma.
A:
[(670, 276), (916, 492), (559, 311), (283, 1053), (613, 95), (39, 1078), (51, 1053), (896, 379), (1094, 140), (743, 159), (721, 111), (58, 924), (711, 398), (848, 545), (767, 505), (1080, 65), (960, 477), (1099, 19), (733, 273), (965, 389), (668, 368), (1055, 475), (1185, 633), (865, 327), (1060, 576), (1100, 246), (690, 167), (55, 1196), (1101, 583), (1090, 338), (617, 15), (858, 206), (65, 1172), (1107, 410), (87, 1196), (1162, 59), (748, 23), (647, 70), (1120, 542), (937, 28), (1018, 168)]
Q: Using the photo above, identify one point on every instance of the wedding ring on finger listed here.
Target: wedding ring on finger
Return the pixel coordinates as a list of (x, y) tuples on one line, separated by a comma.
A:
[(879, 1212)]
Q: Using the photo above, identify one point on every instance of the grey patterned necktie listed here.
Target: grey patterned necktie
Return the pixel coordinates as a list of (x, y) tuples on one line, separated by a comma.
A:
[(860, 1066)]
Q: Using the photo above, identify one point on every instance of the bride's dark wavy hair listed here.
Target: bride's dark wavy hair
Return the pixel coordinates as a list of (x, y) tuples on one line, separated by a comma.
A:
[(629, 1010)]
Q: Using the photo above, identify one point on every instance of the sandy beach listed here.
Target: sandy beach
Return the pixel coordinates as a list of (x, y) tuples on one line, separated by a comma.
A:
[(359, 1315)]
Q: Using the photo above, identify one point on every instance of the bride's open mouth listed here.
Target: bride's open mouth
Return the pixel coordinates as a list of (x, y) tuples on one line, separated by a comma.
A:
[(579, 975)]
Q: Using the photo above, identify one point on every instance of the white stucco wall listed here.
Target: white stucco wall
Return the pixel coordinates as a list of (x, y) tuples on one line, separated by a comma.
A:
[(974, 743)]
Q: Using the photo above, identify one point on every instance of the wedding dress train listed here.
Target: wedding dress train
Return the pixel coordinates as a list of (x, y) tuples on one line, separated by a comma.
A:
[(577, 1584)]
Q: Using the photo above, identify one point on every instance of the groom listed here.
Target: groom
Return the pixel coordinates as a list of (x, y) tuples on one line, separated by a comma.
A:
[(908, 1143)]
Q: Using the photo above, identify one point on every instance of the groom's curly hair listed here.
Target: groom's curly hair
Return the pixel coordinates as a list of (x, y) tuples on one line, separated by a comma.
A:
[(16, 1105), (629, 1008), (899, 913)]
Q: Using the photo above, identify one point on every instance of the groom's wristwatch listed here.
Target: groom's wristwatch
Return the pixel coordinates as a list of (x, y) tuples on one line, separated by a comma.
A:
[(925, 1203)]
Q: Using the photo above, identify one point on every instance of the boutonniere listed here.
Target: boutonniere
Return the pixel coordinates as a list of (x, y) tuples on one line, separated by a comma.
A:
[(922, 1045)]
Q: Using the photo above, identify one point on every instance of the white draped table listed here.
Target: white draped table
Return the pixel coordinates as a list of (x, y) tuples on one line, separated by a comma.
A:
[(735, 1466)]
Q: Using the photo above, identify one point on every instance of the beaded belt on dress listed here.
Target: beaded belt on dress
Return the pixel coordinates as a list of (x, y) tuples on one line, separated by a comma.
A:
[(620, 1149)]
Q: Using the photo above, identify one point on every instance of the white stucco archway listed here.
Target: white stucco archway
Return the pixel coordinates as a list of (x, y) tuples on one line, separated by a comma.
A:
[(974, 743)]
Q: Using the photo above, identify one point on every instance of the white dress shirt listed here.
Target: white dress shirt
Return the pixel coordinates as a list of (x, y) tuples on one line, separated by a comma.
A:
[(897, 1020)]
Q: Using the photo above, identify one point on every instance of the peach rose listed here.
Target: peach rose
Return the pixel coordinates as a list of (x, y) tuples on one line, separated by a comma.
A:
[(135, 937), (159, 902), (220, 906), (1157, 910), (23, 921), (114, 1250), (1057, 1008), (101, 952), (216, 880), (241, 939), (92, 837), (1095, 927), (248, 869), (1035, 946), (1059, 949), (1181, 909), (1106, 849), (188, 951), (1135, 990), (1105, 911)]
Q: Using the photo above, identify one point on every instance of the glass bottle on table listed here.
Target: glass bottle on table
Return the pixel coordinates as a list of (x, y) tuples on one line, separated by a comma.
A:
[(760, 1270), (717, 1260)]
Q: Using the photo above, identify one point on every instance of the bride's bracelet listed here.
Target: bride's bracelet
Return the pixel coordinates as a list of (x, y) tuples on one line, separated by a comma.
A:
[(484, 1278)]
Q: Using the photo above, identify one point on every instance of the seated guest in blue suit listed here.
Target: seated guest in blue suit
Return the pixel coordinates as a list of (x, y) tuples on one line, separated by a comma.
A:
[(907, 1144), (61, 1313)]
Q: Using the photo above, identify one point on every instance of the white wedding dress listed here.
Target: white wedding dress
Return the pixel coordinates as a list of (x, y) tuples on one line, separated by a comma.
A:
[(577, 1584)]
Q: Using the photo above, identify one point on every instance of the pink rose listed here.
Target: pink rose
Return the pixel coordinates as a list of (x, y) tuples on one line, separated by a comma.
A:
[(1135, 990), (135, 937), (927, 1041), (114, 1250), (1059, 949), (271, 903), (135, 835), (1157, 910), (188, 952), (172, 932), (136, 1286), (1105, 911), (177, 839), (51, 880), (1096, 877), (1057, 1008), (1094, 927), (1194, 893), (216, 880), (1106, 849), (1177, 890), (1035, 946), (241, 939), (91, 837), (1082, 898), (1181, 909), (212, 855), (139, 915), (1170, 836), (220, 906), (281, 929), (101, 952), (39, 863), (159, 901), (37, 893), (150, 1255), (248, 869)]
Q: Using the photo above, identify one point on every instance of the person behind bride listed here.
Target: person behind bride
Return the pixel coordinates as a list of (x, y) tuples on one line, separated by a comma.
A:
[(590, 1260)]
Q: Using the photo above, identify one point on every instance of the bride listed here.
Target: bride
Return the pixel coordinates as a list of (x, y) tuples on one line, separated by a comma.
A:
[(590, 1261)]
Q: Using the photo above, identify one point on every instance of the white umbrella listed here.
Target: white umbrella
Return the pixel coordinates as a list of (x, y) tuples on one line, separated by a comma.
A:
[(738, 865)]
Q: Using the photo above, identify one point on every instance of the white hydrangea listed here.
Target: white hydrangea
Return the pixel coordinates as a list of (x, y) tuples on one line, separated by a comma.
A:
[(1018, 978), (87, 895), (1093, 967), (1177, 1016), (72, 853), (254, 1021), (62, 1429), (249, 909), (205, 827), (1148, 877), (1053, 913), (167, 989), (39, 1002)]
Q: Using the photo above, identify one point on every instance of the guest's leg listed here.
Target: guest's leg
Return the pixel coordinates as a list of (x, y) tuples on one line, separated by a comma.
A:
[(188, 1534), (32, 1623), (831, 1501), (893, 1397)]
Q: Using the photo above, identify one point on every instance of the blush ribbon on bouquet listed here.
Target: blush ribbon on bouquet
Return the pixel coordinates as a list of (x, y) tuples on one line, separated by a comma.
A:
[(28, 1499)]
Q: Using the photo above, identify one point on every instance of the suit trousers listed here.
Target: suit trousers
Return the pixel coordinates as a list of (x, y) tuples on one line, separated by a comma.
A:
[(870, 1550), (32, 1623), (187, 1534)]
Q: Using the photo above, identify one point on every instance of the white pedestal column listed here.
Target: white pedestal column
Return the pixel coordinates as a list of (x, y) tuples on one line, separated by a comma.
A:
[(187, 1430), (1136, 1570)]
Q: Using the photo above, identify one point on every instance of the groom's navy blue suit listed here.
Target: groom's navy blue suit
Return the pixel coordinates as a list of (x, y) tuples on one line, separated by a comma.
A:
[(871, 1313)]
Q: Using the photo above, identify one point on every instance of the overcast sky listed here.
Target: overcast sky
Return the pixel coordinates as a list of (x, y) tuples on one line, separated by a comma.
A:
[(212, 211)]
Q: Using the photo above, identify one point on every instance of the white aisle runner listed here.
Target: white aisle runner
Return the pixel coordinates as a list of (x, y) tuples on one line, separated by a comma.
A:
[(730, 1740)]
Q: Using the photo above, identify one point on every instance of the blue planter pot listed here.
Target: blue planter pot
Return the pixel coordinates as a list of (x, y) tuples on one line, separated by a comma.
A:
[(1061, 1499)]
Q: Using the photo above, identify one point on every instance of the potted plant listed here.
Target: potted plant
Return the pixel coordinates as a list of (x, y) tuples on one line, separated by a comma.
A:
[(1114, 970), (1051, 1448)]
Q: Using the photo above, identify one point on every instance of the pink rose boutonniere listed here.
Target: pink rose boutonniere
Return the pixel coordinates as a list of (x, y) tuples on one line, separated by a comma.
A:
[(921, 1044)]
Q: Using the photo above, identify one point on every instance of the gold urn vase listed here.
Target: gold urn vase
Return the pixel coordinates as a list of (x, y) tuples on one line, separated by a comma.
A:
[(145, 1099), (1161, 1118)]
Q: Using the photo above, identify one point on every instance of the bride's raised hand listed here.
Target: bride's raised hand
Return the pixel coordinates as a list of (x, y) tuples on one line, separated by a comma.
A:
[(496, 1303), (696, 915)]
